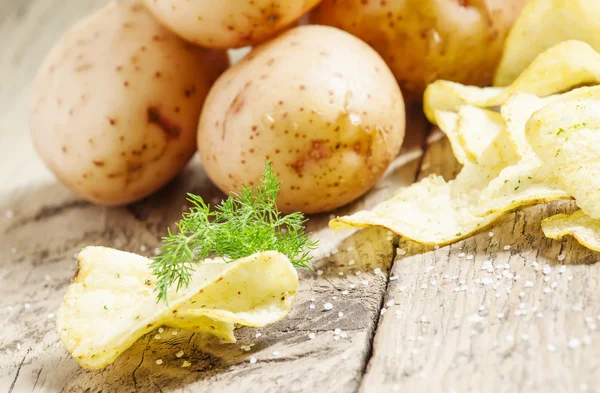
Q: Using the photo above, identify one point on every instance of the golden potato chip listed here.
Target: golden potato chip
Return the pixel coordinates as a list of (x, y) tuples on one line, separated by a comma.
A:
[(448, 124), (437, 212), (477, 128), (111, 301), (543, 23), (561, 67), (577, 224), (565, 135)]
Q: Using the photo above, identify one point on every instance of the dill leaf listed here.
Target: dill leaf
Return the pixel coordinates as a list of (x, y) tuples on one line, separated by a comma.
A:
[(245, 223)]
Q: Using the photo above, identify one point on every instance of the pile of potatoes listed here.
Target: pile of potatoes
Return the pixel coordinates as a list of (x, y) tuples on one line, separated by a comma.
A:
[(126, 97)]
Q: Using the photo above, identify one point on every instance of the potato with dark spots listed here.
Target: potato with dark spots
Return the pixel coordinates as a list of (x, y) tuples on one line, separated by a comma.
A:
[(116, 104), (228, 23), (425, 40), (330, 125)]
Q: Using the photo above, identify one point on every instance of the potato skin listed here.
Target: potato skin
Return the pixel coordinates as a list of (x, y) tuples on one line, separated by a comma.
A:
[(425, 40), (116, 104), (316, 101), (228, 23)]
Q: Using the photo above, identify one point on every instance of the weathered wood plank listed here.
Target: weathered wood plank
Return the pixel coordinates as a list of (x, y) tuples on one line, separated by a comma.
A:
[(42, 225), (523, 327)]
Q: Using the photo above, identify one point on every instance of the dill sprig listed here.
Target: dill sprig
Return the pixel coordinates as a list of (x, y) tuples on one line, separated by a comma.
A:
[(245, 223)]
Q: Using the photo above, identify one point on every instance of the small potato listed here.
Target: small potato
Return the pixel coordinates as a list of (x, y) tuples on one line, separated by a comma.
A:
[(426, 40), (228, 23), (316, 101), (116, 104)]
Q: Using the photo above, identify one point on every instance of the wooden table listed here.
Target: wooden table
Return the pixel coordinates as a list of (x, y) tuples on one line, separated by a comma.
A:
[(411, 319)]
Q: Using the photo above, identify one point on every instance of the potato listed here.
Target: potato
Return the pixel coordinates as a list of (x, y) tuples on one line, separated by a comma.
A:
[(228, 23), (426, 40), (116, 104), (317, 102)]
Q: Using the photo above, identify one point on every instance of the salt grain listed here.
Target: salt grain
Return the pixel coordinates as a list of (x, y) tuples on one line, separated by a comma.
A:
[(469, 257), (550, 347), (253, 360), (327, 306), (570, 278), (547, 279), (402, 289), (186, 364), (506, 248), (159, 361), (337, 331), (161, 330), (528, 284), (393, 278), (142, 248), (547, 290), (275, 353), (377, 270), (424, 286), (491, 234), (157, 337), (340, 314), (179, 354), (554, 284), (390, 303), (51, 315), (18, 346), (509, 338), (174, 333), (258, 335), (312, 336), (383, 311), (351, 262), (546, 269), (461, 254), (562, 269), (345, 292), (340, 273), (401, 251), (365, 282), (434, 282), (561, 257), (500, 315), (574, 343), (424, 318), (312, 306)]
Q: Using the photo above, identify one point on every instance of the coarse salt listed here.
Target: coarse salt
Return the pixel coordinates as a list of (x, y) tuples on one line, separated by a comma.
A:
[(179, 354), (574, 343), (186, 364), (546, 269), (506, 248), (275, 353), (491, 234), (401, 251), (312, 336), (159, 361), (327, 306), (253, 360)]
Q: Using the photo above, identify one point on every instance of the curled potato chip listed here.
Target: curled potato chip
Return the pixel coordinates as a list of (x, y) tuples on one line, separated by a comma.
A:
[(448, 124), (477, 128), (437, 212), (561, 67), (111, 301), (565, 135), (577, 224), (562, 20)]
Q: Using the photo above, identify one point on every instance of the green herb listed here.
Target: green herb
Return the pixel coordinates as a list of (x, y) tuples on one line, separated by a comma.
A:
[(105, 307), (557, 153), (560, 131), (517, 187), (240, 226)]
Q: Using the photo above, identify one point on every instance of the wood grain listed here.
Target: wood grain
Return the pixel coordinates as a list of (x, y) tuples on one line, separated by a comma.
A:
[(456, 326)]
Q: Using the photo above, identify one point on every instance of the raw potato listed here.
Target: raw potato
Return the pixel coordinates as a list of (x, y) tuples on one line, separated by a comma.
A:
[(228, 23), (426, 40), (116, 104), (320, 104)]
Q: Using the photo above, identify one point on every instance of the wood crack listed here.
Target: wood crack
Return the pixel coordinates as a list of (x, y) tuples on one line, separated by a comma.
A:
[(12, 385)]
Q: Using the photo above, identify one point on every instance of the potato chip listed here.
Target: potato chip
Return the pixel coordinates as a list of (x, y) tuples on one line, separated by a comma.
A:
[(437, 212), (565, 135), (448, 124), (542, 24), (111, 301), (477, 128), (577, 224), (561, 67)]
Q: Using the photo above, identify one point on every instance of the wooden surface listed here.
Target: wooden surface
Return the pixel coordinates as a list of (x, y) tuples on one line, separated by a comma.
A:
[(452, 327)]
